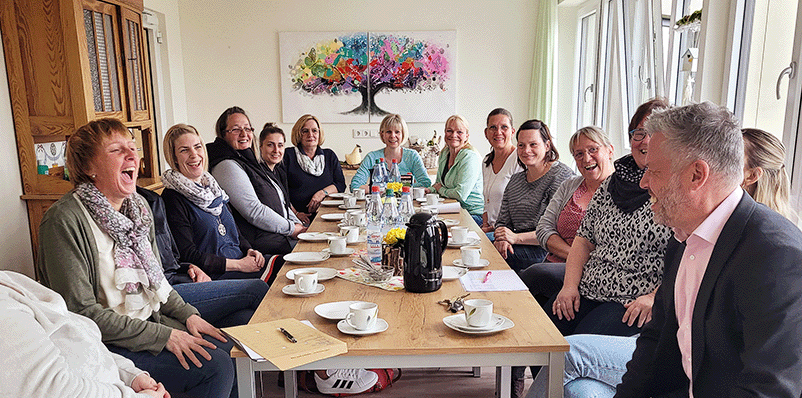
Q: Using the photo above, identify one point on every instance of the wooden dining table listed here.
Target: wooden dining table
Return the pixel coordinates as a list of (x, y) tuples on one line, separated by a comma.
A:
[(417, 336)]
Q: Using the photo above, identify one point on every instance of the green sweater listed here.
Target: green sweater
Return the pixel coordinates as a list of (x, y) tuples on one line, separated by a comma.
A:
[(67, 264), (463, 181)]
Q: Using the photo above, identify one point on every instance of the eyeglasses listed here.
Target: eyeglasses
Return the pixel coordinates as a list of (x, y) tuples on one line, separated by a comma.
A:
[(591, 150), (638, 135), (239, 130)]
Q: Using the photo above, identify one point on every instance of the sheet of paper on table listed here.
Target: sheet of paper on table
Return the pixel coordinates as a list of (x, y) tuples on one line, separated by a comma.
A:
[(267, 342), (444, 208), (497, 281)]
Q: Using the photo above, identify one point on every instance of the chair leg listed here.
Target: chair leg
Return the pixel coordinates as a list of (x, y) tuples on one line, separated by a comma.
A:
[(477, 372)]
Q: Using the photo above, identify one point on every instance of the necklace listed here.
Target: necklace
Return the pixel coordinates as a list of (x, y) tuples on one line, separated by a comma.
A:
[(221, 229)]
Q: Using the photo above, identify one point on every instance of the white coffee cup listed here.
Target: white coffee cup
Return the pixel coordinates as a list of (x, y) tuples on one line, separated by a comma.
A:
[(337, 244), (470, 255), (349, 201), (362, 315), (432, 199), (459, 234), (478, 312), (350, 232), (359, 193), (357, 218), (418, 193), (306, 281), (347, 218)]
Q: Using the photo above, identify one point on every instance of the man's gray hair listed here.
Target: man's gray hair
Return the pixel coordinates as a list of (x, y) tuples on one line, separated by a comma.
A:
[(705, 132)]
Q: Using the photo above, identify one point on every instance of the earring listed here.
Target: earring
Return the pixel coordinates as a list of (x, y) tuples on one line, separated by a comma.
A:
[(94, 176)]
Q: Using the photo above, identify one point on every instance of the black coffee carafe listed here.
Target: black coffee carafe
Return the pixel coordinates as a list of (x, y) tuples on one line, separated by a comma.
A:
[(425, 241)]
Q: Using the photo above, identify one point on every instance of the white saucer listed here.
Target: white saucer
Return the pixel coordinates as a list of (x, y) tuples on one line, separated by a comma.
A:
[(348, 251), (306, 257), (344, 207), (293, 291), (449, 222), (381, 325), (362, 239), (497, 324), (333, 216), (316, 236), (451, 273), (323, 274), (482, 263), (331, 202), (336, 310), (337, 195), (469, 242)]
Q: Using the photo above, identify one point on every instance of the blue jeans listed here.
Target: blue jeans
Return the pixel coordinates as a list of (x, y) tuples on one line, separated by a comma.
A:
[(593, 366), (215, 379), (224, 303), (478, 219), (524, 256), (593, 317)]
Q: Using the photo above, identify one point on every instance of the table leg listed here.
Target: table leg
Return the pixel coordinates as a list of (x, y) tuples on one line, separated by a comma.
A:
[(290, 384), (477, 372), (556, 370), (245, 381), (503, 381)]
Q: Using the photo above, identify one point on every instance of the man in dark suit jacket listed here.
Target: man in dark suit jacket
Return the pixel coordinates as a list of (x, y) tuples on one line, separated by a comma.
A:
[(727, 320)]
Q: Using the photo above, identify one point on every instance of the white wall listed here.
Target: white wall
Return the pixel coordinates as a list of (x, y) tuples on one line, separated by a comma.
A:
[(230, 56), (15, 236)]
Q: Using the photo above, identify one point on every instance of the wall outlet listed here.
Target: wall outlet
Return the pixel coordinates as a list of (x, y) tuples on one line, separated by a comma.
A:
[(365, 133)]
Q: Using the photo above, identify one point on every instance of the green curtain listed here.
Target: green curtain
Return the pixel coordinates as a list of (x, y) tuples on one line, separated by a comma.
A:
[(542, 90)]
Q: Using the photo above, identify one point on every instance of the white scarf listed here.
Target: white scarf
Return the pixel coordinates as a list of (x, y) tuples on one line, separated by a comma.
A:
[(203, 195), (314, 167)]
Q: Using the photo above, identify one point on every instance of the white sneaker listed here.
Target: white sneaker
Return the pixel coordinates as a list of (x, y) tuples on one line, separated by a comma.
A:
[(346, 381)]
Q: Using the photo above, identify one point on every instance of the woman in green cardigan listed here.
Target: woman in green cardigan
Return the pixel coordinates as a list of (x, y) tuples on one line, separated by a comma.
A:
[(459, 170)]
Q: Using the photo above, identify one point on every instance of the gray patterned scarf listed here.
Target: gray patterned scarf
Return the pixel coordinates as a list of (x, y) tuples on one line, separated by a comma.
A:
[(314, 167), (136, 268), (207, 195)]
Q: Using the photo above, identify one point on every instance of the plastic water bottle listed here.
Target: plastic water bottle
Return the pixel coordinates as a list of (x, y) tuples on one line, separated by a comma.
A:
[(374, 228), (395, 173), (390, 217), (379, 177), (405, 208)]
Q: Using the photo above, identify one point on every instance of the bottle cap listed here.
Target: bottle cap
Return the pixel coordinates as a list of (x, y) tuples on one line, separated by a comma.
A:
[(374, 188), (395, 160), (405, 189), (381, 159), (389, 192)]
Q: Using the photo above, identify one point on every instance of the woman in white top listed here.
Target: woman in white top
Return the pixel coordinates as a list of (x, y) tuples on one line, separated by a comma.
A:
[(498, 165)]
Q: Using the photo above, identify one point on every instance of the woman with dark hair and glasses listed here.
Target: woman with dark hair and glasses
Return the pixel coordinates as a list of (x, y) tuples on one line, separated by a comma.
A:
[(527, 195), (615, 263), (263, 218)]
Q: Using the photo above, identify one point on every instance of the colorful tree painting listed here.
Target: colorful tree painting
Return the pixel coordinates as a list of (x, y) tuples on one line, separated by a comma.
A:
[(342, 66)]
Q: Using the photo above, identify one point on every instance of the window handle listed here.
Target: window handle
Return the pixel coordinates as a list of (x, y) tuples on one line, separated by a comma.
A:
[(787, 71), (584, 93), (647, 82)]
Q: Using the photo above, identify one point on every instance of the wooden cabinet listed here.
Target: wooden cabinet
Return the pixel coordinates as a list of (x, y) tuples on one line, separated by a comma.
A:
[(69, 62)]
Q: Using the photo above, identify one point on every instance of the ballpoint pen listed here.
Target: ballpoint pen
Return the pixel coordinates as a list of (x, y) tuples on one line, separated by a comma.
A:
[(288, 335), (487, 277)]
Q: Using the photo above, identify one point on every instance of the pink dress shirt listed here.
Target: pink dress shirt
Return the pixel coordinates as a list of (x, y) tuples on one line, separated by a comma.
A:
[(692, 267)]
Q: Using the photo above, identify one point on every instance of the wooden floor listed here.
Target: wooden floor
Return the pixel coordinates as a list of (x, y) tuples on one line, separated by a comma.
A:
[(420, 383)]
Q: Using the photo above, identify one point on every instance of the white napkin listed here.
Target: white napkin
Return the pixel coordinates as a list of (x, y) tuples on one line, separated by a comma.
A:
[(444, 208)]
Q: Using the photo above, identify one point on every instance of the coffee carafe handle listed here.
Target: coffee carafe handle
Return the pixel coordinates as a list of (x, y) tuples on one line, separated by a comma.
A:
[(444, 235)]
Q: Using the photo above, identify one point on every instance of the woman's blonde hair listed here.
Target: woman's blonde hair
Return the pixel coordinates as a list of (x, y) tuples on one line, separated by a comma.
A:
[(593, 133), (85, 143), (773, 188), (295, 136), (172, 134), (390, 121)]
